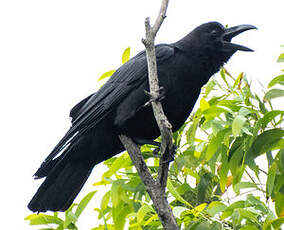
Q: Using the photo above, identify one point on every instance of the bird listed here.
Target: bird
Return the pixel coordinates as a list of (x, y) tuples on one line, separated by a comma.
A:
[(118, 107)]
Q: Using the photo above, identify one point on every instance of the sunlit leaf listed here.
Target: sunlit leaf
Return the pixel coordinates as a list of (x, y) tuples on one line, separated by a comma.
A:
[(42, 219), (277, 80), (204, 104), (273, 93), (175, 194), (279, 204), (143, 211), (119, 213), (216, 207), (70, 218), (249, 227), (83, 203), (178, 210), (281, 58), (238, 80), (244, 185), (274, 224), (120, 162), (150, 220), (238, 124), (106, 75), (126, 55), (105, 200), (115, 192)]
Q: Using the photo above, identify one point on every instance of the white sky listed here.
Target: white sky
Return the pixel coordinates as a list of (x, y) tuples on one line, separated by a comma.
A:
[(51, 53)]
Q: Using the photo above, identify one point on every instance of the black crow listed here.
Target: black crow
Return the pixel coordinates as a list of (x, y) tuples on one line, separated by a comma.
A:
[(118, 108)]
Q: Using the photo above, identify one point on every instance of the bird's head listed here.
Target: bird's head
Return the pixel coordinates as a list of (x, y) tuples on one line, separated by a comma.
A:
[(215, 37), (210, 44)]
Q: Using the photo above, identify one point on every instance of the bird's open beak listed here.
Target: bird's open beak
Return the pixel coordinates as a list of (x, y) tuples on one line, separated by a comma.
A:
[(232, 32)]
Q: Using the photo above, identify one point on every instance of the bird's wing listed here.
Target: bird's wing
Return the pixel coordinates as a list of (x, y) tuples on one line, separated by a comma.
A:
[(93, 109)]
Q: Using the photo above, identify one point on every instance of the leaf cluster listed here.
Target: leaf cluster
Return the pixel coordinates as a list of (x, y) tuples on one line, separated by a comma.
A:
[(228, 171)]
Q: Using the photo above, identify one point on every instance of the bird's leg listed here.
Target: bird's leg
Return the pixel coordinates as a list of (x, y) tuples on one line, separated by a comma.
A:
[(141, 141), (171, 155), (162, 94)]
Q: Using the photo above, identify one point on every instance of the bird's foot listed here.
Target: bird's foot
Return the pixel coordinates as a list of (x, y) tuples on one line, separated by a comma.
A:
[(171, 155), (161, 96), (169, 158)]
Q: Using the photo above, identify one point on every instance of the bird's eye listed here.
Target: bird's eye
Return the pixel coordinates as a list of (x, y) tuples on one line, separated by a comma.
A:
[(214, 33)]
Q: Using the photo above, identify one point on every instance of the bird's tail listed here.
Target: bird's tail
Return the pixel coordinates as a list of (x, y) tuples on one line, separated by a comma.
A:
[(61, 186)]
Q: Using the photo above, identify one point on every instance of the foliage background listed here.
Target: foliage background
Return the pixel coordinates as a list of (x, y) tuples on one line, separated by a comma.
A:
[(228, 172)]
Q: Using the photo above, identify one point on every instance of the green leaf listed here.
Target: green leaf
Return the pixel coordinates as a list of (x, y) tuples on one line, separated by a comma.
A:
[(277, 80), (238, 124), (229, 210), (236, 161), (106, 75), (119, 162), (269, 116), (42, 219), (281, 58), (238, 80), (105, 201), (119, 214), (216, 207), (83, 203), (244, 185), (273, 93), (203, 186), (126, 55), (70, 218), (224, 169), (223, 75), (105, 227), (175, 194), (115, 192), (204, 104), (143, 211), (215, 111), (249, 227), (271, 179), (151, 219), (215, 143), (279, 204), (178, 210), (268, 140), (192, 130), (274, 224)]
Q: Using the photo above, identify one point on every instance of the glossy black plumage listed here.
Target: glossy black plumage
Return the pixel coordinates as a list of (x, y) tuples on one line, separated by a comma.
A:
[(118, 107)]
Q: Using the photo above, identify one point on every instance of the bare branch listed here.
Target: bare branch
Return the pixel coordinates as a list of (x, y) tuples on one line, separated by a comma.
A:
[(161, 17), (156, 192), (138, 160), (162, 121), (156, 189)]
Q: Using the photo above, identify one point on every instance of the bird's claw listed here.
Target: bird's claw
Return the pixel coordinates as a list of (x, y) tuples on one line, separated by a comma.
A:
[(161, 96), (170, 157)]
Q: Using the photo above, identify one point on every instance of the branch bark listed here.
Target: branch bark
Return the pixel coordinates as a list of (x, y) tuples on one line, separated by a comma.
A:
[(155, 188)]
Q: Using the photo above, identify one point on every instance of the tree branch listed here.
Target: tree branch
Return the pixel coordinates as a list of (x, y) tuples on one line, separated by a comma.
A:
[(162, 121), (155, 188)]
